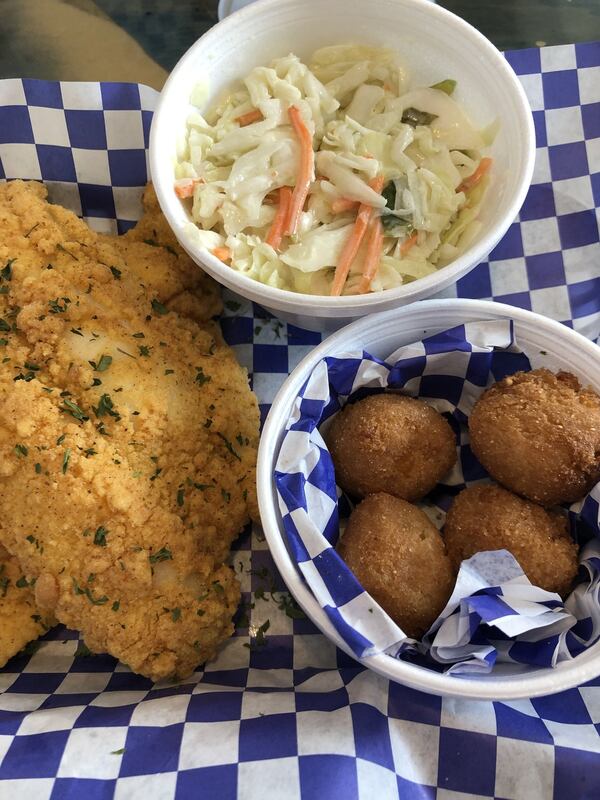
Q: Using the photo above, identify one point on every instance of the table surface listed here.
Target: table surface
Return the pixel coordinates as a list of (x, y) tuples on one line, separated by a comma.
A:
[(141, 40)]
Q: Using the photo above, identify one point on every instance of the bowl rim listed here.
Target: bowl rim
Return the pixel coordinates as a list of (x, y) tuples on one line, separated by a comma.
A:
[(288, 301), (564, 676)]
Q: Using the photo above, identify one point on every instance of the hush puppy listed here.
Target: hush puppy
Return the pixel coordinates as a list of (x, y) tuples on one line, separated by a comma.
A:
[(492, 518), (538, 434), (398, 556), (391, 443)]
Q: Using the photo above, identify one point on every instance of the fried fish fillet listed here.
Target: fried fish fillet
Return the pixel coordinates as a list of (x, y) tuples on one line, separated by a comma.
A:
[(21, 620), (128, 436)]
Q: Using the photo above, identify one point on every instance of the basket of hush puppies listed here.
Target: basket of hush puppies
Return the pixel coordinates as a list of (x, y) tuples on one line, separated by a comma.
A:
[(440, 501)]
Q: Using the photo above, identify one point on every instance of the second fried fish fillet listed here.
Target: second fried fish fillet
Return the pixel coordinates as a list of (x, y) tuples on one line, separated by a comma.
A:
[(20, 619)]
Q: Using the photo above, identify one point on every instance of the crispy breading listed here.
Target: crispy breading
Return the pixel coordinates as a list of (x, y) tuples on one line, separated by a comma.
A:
[(399, 557), (21, 620), (538, 434), (128, 437), (491, 518), (390, 443)]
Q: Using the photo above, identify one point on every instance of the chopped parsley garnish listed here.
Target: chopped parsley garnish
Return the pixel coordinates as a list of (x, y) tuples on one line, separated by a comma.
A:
[(21, 583), (232, 305), (64, 250), (157, 472), (116, 605), (138, 335), (74, 410), (116, 273), (6, 271), (38, 468), (208, 422), (144, 350), (66, 459), (167, 247), (169, 371), (4, 326), (55, 306), (83, 651), (102, 365), (287, 604), (201, 378), (259, 638), (76, 331), (95, 601), (3, 342), (106, 406), (30, 231), (158, 307), (90, 452), (229, 446), (21, 450), (225, 495), (61, 438), (164, 554), (176, 614), (117, 752), (202, 486), (180, 496), (100, 536)]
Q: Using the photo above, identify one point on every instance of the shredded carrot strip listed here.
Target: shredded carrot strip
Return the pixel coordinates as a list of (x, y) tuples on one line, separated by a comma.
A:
[(185, 187), (373, 256), (474, 179), (350, 250), (305, 171), (275, 234), (408, 243), (222, 253), (343, 204), (249, 117)]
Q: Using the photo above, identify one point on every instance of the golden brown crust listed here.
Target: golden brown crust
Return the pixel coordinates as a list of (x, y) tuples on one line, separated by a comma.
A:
[(21, 621), (132, 488), (538, 434), (398, 556), (492, 518), (390, 443)]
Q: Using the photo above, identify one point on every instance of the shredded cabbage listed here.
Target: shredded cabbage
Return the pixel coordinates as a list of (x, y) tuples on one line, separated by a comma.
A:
[(367, 126)]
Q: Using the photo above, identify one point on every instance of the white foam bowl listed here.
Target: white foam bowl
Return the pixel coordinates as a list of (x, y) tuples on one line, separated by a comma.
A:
[(380, 336), (434, 44)]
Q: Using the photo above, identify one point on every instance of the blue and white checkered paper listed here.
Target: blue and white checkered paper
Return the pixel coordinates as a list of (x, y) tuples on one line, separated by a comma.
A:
[(494, 614), (298, 718)]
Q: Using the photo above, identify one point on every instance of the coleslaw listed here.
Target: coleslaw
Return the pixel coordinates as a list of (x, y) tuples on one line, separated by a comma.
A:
[(334, 177)]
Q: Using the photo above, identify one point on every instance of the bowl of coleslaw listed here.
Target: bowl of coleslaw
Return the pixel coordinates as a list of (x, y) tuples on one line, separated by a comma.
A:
[(331, 159)]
